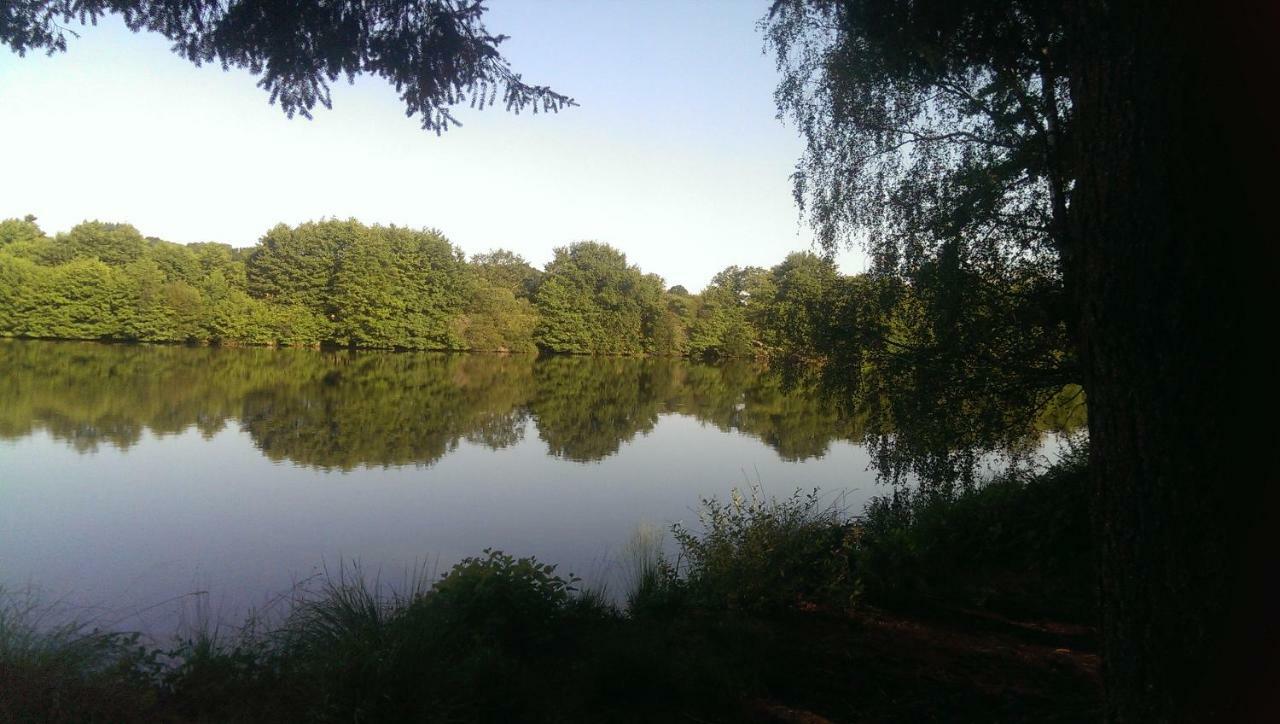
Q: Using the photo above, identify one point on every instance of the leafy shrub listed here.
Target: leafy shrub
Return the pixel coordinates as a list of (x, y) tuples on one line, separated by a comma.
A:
[(483, 644), (762, 555), (1019, 542), (500, 597)]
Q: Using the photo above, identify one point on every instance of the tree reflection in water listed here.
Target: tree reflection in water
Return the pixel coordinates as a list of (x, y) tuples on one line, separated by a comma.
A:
[(343, 410)]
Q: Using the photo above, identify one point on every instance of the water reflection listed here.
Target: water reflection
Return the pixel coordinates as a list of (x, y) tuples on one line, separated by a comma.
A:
[(343, 410)]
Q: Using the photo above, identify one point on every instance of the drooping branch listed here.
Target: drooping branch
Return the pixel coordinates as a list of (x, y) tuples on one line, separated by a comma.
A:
[(435, 53)]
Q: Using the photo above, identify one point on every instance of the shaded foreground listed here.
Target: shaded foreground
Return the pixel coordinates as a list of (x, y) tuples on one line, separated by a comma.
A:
[(947, 606)]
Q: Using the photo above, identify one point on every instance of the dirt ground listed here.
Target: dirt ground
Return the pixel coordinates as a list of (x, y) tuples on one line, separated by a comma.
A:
[(952, 666)]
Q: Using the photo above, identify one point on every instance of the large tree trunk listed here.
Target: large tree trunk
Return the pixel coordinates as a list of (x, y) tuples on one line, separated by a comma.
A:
[(1171, 265)]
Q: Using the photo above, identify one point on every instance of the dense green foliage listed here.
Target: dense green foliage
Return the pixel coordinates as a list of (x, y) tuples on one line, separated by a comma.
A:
[(342, 283), (590, 299), (1019, 543), (766, 556)]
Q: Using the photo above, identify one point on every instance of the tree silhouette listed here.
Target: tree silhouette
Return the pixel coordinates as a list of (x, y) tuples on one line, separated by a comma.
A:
[(436, 53), (1063, 192)]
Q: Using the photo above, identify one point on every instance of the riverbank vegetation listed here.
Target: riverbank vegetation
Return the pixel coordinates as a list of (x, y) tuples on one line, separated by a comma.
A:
[(342, 283), (769, 610)]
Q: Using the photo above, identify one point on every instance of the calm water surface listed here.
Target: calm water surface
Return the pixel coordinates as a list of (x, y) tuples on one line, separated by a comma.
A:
[(130, 476)]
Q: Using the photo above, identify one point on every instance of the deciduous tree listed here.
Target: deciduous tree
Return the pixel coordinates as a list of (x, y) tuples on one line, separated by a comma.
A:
[(1052, 187)]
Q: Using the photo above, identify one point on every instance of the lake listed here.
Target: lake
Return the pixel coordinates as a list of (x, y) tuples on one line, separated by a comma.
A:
[(132, 476)]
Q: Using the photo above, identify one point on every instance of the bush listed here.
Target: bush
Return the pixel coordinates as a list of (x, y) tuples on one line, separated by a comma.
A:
[(485, 643), (1019, 542), (504, 601), (764, 556)]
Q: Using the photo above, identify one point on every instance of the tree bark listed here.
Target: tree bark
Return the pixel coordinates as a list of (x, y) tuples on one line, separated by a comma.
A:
[(1170, 263)]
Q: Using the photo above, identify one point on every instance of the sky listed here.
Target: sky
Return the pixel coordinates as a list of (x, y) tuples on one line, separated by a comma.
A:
[(675, 155)]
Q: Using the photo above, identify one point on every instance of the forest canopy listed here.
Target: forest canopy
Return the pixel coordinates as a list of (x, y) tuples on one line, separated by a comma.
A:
[(341, 283)]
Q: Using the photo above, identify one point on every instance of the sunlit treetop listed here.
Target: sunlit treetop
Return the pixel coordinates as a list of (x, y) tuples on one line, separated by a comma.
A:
[(437, 53)]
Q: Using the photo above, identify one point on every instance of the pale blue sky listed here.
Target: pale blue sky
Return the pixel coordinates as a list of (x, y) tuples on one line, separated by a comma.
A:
[(675, 155)]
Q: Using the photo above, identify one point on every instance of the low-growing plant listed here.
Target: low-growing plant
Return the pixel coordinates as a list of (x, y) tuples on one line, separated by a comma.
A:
[(227, 678), (654, 590), (72, 671), (508, 598), (764, 555), (484, 643)]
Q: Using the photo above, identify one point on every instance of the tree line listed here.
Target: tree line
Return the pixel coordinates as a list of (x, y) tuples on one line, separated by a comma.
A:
[(347, 284)]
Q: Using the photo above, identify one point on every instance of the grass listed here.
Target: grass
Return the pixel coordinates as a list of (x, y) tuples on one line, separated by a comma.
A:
[(766, 556), (68, 671), (768, 606)]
